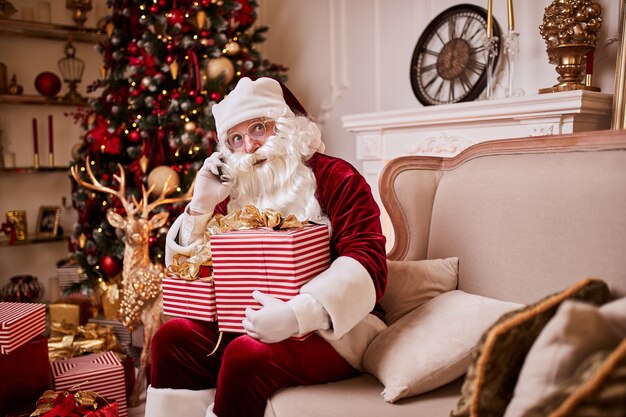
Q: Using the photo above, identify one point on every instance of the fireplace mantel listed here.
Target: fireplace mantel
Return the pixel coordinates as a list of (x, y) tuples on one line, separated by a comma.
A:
[(448, 129)]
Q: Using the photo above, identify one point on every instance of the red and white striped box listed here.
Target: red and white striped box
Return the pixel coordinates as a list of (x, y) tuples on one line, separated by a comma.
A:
[(19, 323), (99, 372), (191, 299), (276, 262)]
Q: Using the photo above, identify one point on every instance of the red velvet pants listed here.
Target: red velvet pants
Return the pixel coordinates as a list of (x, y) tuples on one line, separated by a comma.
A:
[(244, 371)]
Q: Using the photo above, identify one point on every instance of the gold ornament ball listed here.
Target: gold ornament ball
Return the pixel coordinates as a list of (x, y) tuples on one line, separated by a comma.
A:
[(159, 175), (220, 66), (190, 127), (232, 48)]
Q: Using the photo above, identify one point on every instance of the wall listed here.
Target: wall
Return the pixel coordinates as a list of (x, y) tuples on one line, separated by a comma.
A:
[(345, 57), (353, 56), (27, 57)]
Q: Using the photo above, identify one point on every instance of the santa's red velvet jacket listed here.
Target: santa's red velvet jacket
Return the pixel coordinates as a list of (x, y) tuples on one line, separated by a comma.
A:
[(352, 300)]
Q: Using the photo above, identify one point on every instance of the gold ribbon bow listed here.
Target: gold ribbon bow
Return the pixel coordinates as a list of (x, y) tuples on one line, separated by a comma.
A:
[(249, 217)]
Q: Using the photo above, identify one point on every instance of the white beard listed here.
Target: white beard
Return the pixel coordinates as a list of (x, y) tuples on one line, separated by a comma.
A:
[(280, 182)]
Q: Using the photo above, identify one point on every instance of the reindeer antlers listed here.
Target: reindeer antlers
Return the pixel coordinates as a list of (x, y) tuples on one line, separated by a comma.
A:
[(135, 206)]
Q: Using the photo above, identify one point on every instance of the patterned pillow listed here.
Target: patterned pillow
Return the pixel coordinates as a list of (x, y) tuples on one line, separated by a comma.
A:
[(491, 378), (598, 388)]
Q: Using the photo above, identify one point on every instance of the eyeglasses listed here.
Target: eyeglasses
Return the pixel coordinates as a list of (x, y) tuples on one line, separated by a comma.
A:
[(255, 131)]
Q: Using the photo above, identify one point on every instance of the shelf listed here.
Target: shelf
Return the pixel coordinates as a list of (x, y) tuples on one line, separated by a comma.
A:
[(32, 240), (33, 170), (23, 28), (39, 100)]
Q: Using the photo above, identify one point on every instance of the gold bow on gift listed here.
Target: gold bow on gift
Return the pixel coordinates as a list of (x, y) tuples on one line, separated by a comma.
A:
[(68, 340), (61, 404), (248, 217)]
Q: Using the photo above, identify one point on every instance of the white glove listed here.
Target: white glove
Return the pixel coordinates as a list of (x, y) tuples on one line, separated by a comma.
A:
[(274, 322), (209, 190)]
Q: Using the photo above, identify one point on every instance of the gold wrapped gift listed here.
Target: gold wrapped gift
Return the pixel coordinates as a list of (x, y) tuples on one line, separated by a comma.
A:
[(68, 340), (68, 313)]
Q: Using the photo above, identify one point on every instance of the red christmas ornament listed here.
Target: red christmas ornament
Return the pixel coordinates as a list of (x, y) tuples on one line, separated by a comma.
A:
[(48, 84), (134, 136), (176, 16), (154, 9), (215, 96), (199, 100), (110, 266)]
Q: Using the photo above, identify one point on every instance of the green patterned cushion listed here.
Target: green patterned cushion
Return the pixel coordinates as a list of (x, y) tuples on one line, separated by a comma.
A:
[(498, 359)]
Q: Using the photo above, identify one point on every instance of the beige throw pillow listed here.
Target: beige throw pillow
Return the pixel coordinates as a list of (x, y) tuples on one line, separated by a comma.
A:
[(577, 331), (412, 283), (431, 345)]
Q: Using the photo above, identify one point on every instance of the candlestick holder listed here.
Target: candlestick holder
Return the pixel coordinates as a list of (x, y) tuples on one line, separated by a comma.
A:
[(36, 160), (510, 49), (51, 159), (491, 47)]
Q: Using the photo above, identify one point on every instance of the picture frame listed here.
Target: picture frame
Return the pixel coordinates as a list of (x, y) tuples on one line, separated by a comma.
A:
[(48, 222)]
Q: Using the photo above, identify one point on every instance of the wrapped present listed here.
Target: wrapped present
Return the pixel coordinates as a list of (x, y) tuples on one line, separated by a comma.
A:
[(74, 404), (276, 262), (68, 313), (24, 375), (123, 334), (99, 372), (68, 340), (191, 299), (19, 323)]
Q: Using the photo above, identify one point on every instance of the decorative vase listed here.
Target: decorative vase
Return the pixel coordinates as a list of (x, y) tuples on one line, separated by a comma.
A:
[(570, 30), (22, 289)]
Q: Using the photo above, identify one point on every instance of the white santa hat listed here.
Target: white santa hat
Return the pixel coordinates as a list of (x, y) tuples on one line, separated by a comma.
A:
[(253, 99), (250, 99)]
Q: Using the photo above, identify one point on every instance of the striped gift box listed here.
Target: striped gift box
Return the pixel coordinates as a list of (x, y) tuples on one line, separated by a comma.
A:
[(191, 299), (19, 323), (276, 262), (99, 372), (121, 331)]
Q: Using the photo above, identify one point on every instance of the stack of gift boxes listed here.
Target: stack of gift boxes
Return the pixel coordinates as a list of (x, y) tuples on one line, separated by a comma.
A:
[(276, 262), (26, 372)]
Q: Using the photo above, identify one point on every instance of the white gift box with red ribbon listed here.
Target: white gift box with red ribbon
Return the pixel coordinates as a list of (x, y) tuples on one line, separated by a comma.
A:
[(99, 372), (19, 323), (276, 262), (191, 299)]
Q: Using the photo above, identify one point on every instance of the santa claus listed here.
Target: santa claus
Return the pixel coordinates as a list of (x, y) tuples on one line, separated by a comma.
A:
[(270, 157)]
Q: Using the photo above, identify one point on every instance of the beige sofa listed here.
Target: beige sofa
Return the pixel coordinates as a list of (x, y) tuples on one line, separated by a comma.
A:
[(526, 218)]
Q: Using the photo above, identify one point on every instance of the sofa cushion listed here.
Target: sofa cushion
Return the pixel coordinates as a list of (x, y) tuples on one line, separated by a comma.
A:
[(431, 345), (577, 331), (360, 397), (493, 373), (412, 283)]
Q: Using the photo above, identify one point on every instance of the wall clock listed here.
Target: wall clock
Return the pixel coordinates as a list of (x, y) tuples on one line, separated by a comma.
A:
[(449, 63)]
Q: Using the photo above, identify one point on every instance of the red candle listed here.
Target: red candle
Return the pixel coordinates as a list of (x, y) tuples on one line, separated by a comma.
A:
[(35, 141), (589, 63), (50, 140)]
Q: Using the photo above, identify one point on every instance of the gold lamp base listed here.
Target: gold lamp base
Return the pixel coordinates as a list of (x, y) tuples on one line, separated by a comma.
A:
[(570, 60)]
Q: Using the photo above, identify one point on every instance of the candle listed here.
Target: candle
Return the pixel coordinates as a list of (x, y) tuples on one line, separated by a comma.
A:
[(489, 19), (509, 9), (35, 141), (50, 136)]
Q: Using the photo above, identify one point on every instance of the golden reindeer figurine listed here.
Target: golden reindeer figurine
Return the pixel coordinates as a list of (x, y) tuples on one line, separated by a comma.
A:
[(142, 297)]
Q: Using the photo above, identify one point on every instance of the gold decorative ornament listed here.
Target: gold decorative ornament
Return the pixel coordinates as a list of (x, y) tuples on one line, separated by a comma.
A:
[(231, 48), (163, 176), (190, 127), (72, 69), (80, 9), (570, 30), (221, 66), (18, 218)]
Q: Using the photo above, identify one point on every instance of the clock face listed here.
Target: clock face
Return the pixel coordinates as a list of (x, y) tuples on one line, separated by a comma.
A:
[(449, 63)]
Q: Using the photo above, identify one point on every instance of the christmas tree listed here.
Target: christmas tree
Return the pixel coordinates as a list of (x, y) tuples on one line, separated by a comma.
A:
[(165, 63)]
